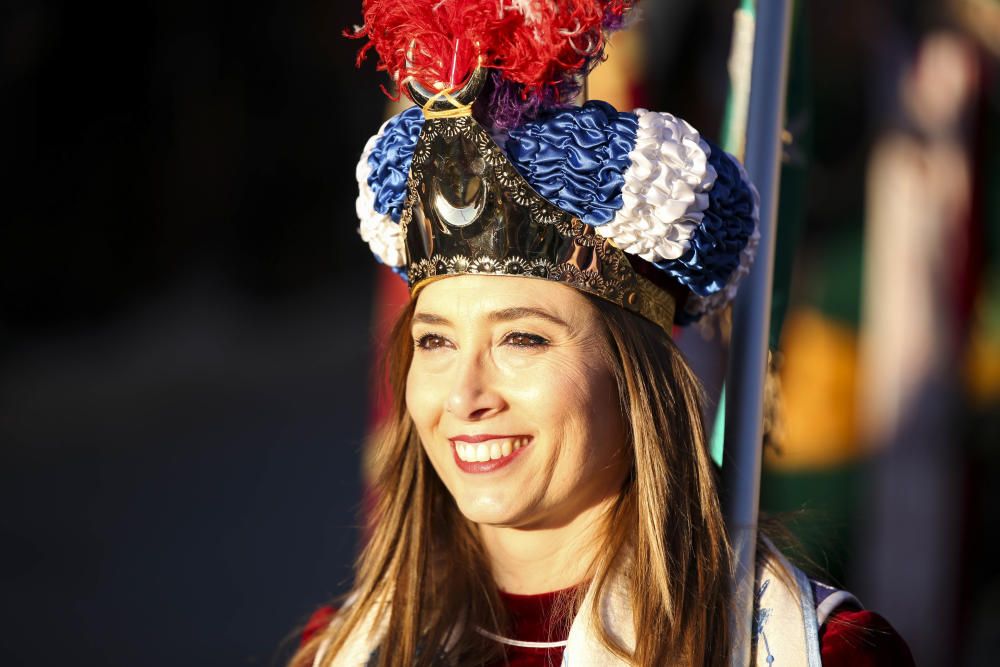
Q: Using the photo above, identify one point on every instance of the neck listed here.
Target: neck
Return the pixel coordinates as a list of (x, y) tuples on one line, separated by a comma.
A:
[(529, 561)]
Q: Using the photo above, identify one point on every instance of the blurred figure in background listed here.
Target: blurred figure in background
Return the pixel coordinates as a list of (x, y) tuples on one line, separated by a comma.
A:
[(918, 271)]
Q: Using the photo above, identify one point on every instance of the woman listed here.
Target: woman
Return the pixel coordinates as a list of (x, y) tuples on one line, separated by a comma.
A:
[(514, 469), (545, 495)]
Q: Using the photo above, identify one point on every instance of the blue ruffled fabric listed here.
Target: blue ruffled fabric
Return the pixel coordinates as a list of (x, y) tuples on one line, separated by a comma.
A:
[(390, 161), (718, 241), (577, 158)]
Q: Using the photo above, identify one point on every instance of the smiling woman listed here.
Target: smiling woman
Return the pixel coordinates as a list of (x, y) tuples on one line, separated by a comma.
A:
[(529, 454), (544, 492), (517, 408)]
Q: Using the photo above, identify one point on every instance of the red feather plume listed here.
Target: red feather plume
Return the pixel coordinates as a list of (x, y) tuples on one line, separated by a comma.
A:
[(535, 43)]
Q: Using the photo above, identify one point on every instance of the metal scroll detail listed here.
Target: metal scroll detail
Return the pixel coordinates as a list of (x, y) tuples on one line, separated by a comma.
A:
[(469, 211)]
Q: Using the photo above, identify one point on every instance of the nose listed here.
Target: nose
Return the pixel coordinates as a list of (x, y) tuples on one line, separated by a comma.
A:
[(474, 395)]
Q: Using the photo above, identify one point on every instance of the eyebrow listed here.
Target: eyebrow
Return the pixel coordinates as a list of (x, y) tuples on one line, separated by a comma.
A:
[(502, 315), (429, 318)]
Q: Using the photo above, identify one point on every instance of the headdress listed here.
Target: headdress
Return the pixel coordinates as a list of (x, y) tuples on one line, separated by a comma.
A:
[(498, 175)]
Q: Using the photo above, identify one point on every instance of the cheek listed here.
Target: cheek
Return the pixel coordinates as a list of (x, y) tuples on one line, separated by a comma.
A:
[(424, 409), (580, 384), (421, 401), (580, 403), (601, 419)]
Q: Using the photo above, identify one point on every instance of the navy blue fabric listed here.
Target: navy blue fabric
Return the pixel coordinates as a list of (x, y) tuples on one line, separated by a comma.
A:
[(723, 234)]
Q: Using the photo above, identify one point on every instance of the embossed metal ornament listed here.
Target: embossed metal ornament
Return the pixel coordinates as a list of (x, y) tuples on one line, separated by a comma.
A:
[(469, 211)]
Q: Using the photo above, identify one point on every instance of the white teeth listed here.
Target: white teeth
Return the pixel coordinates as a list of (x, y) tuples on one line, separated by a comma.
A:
[(482, 452)]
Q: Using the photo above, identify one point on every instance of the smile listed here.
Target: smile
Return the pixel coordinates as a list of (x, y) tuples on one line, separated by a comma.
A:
[(479, 454)]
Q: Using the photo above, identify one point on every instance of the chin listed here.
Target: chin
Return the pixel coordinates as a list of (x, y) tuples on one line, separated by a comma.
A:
[(487, 509)]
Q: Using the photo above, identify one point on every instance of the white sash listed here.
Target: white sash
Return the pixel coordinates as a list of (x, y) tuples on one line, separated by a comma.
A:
[(785, 632)]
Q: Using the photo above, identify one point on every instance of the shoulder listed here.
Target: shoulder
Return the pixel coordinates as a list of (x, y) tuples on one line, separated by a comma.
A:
[(861, 638), (849, 634), (836, 629)]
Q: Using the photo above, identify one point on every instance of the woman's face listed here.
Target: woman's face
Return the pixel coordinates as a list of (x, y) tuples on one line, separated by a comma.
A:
[(514, 401)]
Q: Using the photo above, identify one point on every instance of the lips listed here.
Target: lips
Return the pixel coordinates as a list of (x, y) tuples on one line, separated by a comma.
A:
[(485, 453)]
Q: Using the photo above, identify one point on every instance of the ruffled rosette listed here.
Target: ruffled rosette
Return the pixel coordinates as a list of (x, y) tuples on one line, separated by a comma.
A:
[(382, 172), (710, 267), (739, 202), (666, 189), (577, 159)]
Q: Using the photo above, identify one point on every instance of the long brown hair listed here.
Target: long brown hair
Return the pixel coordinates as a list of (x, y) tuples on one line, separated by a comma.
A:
[(423, 572)]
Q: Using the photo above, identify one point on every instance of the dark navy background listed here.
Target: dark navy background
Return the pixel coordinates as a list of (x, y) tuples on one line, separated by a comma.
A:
[(184, 327)]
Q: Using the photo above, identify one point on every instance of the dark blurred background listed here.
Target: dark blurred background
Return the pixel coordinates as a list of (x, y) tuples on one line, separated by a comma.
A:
[(186, 317), (184, 320)]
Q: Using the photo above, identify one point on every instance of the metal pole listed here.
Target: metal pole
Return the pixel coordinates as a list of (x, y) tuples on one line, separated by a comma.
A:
[(751, 316)]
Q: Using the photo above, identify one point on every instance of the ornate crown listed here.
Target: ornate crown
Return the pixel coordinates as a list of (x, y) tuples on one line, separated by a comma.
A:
[(635, 208)]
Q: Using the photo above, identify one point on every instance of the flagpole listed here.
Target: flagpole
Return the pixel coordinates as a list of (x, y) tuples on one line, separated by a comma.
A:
[(751, 316)]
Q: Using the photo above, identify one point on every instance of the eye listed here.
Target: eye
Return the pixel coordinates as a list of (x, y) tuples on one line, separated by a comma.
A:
[(521, 339), (430, 341)]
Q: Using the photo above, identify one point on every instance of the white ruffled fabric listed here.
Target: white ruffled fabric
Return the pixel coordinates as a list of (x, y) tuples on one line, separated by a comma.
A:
[(377, 229), (699, 305), (666, 189)]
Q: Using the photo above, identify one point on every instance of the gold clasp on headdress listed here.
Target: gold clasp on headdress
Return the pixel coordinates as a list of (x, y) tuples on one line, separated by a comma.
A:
[(450, 102)]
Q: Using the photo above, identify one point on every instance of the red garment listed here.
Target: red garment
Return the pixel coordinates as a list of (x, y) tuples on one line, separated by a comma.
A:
[(861, 638), (849, 638), (533, 622)]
